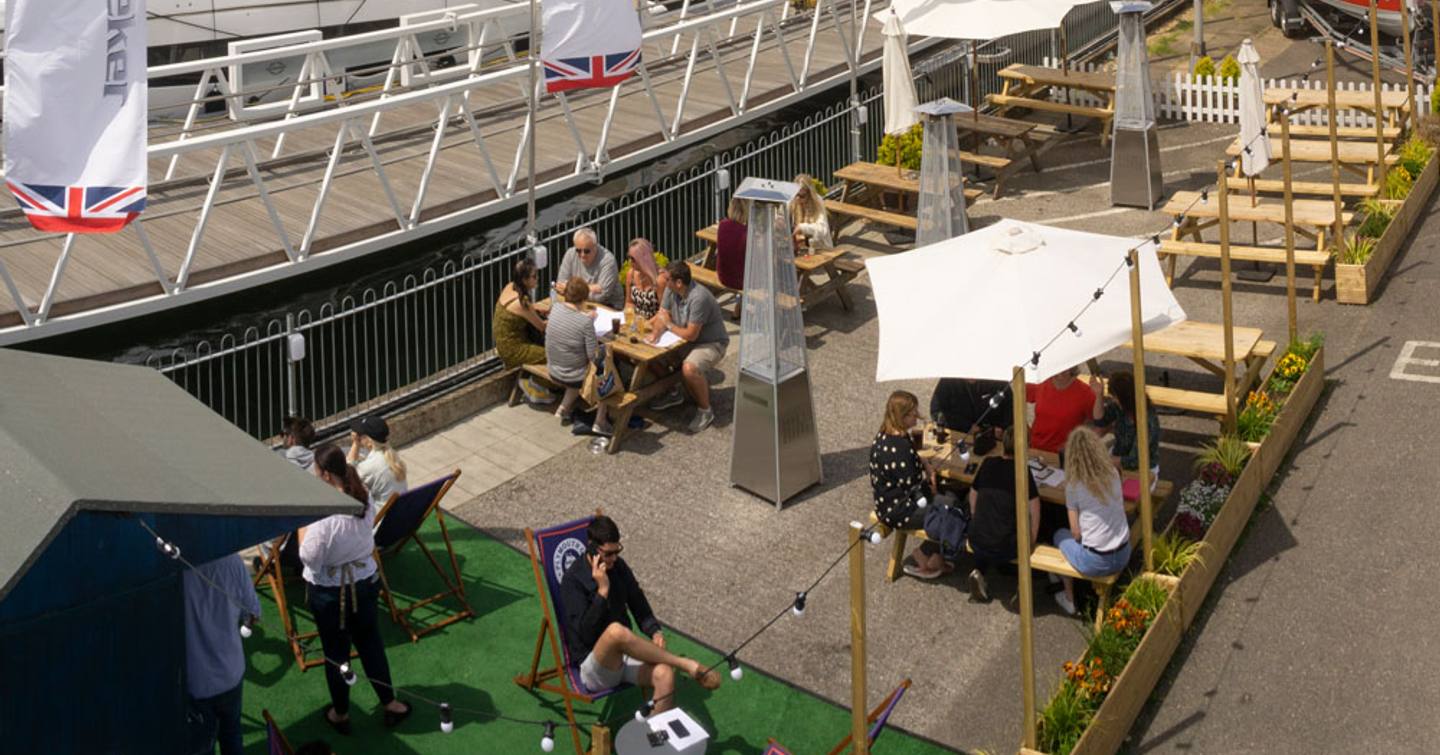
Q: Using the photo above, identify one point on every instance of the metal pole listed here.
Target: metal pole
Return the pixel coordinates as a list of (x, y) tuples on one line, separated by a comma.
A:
[(1226, 304), (860, 739), (1197, 46), (1289, 223), (292, 396), (1379, 100), (1022, 554), (855, 155), (1409, 65), (1339, 235), (1142, 411), (532, 57)]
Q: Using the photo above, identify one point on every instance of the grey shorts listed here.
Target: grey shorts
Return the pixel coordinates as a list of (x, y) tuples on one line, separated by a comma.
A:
[(596, 677)]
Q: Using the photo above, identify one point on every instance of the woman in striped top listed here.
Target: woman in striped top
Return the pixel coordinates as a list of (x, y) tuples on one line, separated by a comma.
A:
[(570, 346)]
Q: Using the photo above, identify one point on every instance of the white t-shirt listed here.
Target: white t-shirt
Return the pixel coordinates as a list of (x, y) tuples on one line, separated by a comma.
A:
[(1102, 521), (336, 541), (378, 478)]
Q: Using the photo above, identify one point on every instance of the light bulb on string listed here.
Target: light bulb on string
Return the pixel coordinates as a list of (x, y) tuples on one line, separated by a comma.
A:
[(245, 630), (347, 674), (447, 720), (171, 550), (799, 608), (1075, 329), (644, 711), (872, 534), (547, 740), (1205, 193), (736, 672)]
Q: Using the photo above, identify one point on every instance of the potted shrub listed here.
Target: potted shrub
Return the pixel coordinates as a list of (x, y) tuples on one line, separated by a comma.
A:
[(1385, 223)]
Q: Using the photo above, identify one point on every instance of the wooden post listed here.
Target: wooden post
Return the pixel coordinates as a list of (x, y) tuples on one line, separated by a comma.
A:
[(1338, 237), (1225, 302), (1289, 222), (1022, 554), (860, 736), (1435, 28), (1409, 66), (600, 743), (1379, 100), (1142, 410)]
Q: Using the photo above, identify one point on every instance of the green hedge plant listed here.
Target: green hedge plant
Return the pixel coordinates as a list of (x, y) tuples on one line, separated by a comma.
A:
[(1229, 70), (1398, 182), (1205, 66), (1377, 218), (906, 146)]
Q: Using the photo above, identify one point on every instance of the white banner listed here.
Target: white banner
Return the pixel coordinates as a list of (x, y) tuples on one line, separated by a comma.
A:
[(589, 43), (75, 101)]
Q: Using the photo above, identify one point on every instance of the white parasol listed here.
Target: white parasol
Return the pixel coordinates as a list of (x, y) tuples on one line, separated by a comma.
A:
[(978, 19), (900, 97), (1252, 112)]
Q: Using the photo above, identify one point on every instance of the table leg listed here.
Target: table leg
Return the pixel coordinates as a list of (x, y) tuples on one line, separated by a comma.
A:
[(840, 282), (844, 190)]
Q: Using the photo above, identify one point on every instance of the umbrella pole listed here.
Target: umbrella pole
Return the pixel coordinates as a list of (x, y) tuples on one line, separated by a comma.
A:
[(1409, 65), (1226, 304), (1022, 554), (1289, 225), (1379, 101), (859, 737), (1142, 410), (1338, 237)]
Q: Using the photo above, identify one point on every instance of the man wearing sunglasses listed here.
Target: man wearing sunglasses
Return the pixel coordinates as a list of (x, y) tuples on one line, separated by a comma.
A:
[(587, 259), (599, 596)]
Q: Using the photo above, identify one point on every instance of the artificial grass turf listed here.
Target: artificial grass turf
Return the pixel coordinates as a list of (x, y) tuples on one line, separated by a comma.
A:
[(472, 664)]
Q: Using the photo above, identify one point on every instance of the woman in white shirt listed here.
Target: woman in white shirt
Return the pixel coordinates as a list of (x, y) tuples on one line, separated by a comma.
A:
[(807, 214), (1097, 543), (381, 469), (342, 590)]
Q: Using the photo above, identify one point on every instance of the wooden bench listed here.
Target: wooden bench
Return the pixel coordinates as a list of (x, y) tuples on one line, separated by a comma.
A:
[(1304, 188), (711, 280), (1315, 258), (1008, 101), (883, 217), (1341, 132), (1203, 402)]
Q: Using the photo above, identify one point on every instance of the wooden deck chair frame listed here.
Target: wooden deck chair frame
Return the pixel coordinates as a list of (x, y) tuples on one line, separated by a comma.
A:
[(877, 719), (554, 678), (271, 573), (455, 588), (278, 744)]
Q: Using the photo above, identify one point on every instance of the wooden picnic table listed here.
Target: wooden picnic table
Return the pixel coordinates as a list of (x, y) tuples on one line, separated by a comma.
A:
[(905, 182), (1026, 85), (1395, 104), (1313, 217), (838, 271), (1357, 157), (1019, 140), (1204, 344)]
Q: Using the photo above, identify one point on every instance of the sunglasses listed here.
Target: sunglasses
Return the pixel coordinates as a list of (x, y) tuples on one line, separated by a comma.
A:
[(612, 554)]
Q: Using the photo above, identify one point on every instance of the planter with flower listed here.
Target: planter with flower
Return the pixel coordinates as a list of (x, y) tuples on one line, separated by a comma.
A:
[(1384, 223)]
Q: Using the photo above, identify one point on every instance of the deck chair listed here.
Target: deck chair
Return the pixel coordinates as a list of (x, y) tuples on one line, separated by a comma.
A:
[(275, 741), (398, 523), (877, 720), (273, 574), (552, 551)]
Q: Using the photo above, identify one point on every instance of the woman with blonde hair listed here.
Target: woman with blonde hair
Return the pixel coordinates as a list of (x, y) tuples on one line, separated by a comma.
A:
[(1097, 542), (904, 483), (808, 216), (646, 282), (381, 469), (730, 240)]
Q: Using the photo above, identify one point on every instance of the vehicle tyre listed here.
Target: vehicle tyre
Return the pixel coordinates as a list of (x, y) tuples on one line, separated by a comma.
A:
[(1275, 14), (1286, 15)]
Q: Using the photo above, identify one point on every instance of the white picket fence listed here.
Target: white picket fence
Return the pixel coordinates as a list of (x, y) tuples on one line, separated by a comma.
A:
[(1208, 99)]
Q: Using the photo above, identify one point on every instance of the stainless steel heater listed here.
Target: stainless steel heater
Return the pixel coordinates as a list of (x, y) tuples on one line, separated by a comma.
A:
[(941, 213), (1135, 149)]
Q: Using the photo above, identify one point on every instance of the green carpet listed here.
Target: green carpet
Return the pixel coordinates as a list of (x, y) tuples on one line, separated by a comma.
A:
[(471, 665)]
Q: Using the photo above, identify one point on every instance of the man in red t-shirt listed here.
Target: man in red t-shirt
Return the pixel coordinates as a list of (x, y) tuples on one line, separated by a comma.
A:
[(1062, 404)]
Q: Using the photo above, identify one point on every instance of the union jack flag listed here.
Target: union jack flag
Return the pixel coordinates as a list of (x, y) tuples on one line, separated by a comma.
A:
[(592, 72), (78, 209)]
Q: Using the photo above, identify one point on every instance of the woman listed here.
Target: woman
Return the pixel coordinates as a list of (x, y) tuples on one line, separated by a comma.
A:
[(730, 245), (514, 316), (992, 511), (380, 469), (341, 589), (1097, 542), (642, 289), (901, 480), (570, 346), (807, 214), (1114, 412)]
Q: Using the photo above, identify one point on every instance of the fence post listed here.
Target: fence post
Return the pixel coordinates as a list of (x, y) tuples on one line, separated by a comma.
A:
[(294, 352)]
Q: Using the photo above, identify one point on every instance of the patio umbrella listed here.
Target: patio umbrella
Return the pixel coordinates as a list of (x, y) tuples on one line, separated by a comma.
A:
[(1021, 284), (900, 97), (1252, 112)]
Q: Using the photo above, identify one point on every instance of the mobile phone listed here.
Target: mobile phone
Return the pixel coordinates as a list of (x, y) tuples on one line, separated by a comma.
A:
[(972, 467), (591, 549), (658, 738), (679, 729)]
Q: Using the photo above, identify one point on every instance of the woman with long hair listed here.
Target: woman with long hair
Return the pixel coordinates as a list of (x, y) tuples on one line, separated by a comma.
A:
[(1115, 412), (1097, 542), (342, 590), (808, 216), (904, 483), (515, 317), (731, 236), (645, 282), (380, 469)]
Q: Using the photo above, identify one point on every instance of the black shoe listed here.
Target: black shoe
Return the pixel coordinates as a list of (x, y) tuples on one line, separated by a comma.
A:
[(393, 719), (341, 727)]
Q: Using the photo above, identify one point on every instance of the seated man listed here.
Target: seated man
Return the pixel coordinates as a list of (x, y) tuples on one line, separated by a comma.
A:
[(588, 260), (600, 595), (691, 312), (992, 513), (962, 402), (1062, 404), (299, 436)]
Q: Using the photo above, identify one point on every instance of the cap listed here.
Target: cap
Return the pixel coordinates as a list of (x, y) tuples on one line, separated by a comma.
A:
[(372, 427)]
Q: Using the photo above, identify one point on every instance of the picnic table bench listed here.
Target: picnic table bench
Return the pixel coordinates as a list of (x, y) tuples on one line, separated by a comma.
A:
[(1026, 85), (838, 265), (1357, 157), (1204, 344), (1303, 188), (904, 182), (1395, 104)]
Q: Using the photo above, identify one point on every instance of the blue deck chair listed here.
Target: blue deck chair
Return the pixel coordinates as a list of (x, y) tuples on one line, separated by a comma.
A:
[(552, 551), (877, 720), (275, 741), (398, 523)]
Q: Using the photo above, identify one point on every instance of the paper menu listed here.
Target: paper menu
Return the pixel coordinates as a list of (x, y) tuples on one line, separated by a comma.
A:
[(604, 316), (668, 339)]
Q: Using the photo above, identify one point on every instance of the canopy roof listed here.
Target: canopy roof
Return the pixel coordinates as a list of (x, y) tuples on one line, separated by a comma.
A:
[(977, 19), (78, 435)]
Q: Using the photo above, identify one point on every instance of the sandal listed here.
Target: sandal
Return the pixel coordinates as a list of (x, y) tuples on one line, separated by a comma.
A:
[(341, 726), (393, 719), (709, 680)]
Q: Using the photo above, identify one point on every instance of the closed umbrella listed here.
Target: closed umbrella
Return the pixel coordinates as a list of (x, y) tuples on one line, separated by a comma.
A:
[(899, 94), (1252, 112)]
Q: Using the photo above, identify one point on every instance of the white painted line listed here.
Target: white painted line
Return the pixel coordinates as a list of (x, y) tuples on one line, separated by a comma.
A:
[(1172, 148), (1408, 358), (1086, 216)]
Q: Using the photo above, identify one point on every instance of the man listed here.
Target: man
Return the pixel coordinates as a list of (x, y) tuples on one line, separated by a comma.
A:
[(299, 435), (992, 513), (1062, 404), (214, 660), (963, 402), (588, 260), (691, 312), (600, 596)]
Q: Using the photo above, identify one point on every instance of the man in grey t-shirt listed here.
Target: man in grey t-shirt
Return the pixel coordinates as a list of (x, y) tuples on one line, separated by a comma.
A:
[(691, 312), (588, 260)]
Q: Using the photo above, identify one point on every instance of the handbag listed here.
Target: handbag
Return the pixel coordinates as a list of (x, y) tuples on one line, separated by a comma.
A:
[(947, 525), (602, 381)]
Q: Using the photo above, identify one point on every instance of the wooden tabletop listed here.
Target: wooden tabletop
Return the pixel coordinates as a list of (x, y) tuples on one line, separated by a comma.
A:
[(993, 125), (1348, 100), (710, 234), (875, 174), (1201, 340), (1092, 81), (1318, 151), (1308, 212), (639, 352)]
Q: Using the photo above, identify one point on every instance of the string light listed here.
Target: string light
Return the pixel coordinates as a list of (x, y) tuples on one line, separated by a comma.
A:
[(645, 710), (736, 672), (168, 548), (347, 674), (799, 607), (245, 630), (1074, 329), (547, 740), (1099, 292), (447, 719), (1205, 193), (1034, 359), (872, 534)]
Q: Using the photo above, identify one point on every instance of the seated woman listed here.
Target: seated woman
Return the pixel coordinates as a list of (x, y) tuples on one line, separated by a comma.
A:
[(381, 469), (1115, 413), (1097, 542), (645, 282), (570, 345), (992, 511), (808, 216), (904, 483), (730, 245), (514, 316)]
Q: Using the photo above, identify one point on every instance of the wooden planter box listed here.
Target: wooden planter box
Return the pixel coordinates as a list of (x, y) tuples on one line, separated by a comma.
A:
[(1293, 414), (1355, 284)]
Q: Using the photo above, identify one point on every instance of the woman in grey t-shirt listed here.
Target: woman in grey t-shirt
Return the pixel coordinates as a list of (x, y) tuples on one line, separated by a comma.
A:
[(570, 345), (1097, 542)]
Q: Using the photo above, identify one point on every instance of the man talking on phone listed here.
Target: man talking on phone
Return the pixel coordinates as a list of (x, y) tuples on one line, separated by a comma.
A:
[(599, 596)]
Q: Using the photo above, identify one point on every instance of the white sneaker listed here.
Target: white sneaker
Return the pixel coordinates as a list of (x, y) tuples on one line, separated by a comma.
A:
[(1066, 605), (605, 430), (979, 591), (671, 399), (703, 418)]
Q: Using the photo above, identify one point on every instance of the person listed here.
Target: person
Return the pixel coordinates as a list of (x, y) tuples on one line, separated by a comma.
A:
[(1062, 404), (901, 480), (1097, 542), (691, 312), (514, 319), (570, 345), (962, 403), (298, 434), (807, 214), (1114, 411), (381, 469), (992, 513), (342, 590), (600, 596), (595, 264), (730, 241), (646, 282), (215, 594)]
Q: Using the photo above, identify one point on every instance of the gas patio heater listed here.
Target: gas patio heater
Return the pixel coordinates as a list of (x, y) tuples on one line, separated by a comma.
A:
[(776, 449), (1135, 149), (941, 214)]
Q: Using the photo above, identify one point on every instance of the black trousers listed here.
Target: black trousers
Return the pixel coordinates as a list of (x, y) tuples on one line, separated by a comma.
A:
[(360, 629)]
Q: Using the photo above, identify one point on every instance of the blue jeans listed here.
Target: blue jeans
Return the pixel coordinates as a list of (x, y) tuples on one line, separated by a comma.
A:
[(220, 714), (1088, 562)]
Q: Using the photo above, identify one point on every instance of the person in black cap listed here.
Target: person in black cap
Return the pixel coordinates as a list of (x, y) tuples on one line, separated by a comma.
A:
[(381, 469)]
